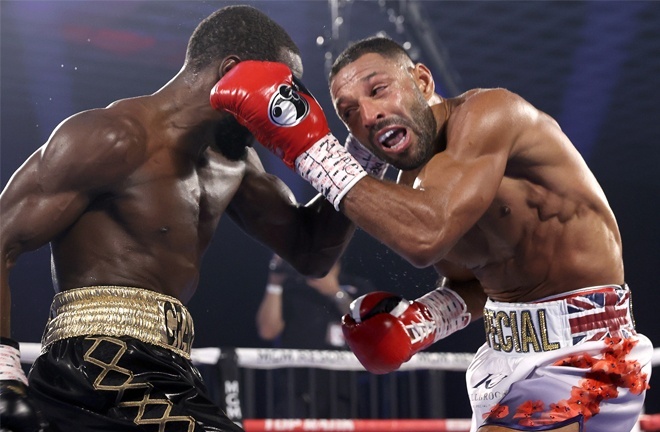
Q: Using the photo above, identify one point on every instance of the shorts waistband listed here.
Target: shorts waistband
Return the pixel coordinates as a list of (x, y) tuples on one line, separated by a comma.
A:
[(559, 321), (145, 315)]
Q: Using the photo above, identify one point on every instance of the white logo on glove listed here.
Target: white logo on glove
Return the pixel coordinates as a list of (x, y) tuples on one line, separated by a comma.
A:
[(287, 108)]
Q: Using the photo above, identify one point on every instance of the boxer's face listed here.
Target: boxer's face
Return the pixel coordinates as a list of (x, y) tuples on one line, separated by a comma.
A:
[(379, 101)]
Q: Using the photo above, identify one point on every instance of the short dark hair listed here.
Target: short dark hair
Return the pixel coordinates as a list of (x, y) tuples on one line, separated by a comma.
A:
[(237, 30), (374, 44)]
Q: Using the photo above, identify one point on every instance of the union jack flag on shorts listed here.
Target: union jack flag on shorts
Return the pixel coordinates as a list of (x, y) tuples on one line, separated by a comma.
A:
[(600, 312)]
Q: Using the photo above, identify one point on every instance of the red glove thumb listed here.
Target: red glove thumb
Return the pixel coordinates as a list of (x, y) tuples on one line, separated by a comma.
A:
[(380, 343)]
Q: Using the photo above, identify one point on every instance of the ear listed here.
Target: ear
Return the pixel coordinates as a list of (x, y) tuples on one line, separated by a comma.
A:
[(424, 80), (227, 64)]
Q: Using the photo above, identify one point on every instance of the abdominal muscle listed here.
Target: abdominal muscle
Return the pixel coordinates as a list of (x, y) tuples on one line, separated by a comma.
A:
[(520, 254)]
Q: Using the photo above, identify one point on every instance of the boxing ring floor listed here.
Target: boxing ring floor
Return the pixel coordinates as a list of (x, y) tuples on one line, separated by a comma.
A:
[(241, 381)]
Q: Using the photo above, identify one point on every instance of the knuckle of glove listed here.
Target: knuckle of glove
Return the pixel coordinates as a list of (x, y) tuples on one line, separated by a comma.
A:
[(347, 322), (381, 344), (377, 302)]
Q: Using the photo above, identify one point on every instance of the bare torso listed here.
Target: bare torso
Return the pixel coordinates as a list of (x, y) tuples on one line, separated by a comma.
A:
[(151, 228), (549, 228), (132, 194)]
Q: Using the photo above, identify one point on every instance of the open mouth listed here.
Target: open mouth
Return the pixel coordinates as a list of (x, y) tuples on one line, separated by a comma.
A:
[(394, 139)]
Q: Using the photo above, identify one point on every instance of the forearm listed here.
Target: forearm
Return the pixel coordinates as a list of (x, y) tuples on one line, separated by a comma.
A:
[(269, 316), (472, 294), (401, 218), (323, 237), (311, 237), (331, 228)]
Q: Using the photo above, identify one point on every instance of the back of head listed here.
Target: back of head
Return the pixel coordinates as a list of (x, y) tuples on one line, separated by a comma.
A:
[(237, 30), (376, 44)]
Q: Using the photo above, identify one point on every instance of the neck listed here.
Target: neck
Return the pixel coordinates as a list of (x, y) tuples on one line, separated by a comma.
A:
[(184, 109), (183, 113), (441, 111), (185, 100)]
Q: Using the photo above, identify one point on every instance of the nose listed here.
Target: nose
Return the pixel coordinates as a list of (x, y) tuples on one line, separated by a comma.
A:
[(370, 113)]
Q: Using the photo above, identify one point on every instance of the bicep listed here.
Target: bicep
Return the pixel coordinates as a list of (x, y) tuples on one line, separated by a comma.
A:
[(465, 178), (89, 153), (467, 187), (34, 211)]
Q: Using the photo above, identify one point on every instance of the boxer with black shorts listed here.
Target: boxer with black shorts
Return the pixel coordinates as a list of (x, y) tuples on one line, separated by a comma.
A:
[(492, 194), (129, 197)]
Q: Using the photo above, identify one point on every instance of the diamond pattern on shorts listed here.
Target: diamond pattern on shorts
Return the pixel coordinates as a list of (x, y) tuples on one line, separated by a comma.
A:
[(106, 352)]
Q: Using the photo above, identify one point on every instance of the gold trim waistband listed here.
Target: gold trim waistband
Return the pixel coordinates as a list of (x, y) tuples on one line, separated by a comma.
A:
[(145, 315)]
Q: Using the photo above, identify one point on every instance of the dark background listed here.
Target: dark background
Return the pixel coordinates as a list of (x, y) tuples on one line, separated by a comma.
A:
[(594, 66)]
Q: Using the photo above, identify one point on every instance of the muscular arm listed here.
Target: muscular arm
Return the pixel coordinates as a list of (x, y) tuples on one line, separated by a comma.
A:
[(32, 212), (450, 194), (424, 222), (55, 185), (310, 237)]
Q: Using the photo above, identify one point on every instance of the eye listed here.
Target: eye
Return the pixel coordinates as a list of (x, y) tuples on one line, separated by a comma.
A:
[(378, 89), (347, 113)]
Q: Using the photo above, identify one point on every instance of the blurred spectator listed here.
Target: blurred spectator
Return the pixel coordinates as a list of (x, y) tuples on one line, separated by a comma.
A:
[(305, 313), (299, 312)]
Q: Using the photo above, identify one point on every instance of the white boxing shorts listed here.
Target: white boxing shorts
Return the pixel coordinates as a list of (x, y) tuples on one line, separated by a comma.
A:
[(571, 358)]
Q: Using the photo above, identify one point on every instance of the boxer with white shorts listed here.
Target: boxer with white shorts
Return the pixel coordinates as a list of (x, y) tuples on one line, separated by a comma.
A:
[(491, 193), (560, 360)]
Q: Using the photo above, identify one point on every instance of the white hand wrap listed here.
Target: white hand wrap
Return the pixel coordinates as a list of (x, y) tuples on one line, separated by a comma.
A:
[(330, 169), (10, 364), (375, 166), (448, 310), (274, 289)]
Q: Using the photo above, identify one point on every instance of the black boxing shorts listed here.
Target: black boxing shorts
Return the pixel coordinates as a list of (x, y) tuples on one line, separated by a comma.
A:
[(118, 359)]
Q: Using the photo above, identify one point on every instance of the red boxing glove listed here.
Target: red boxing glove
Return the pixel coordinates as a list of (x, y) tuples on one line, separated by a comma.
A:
[(284, 117), (278, 110), (384, 330)]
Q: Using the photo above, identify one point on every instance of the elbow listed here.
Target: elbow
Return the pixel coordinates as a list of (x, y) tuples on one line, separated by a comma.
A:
[(313, 272), (267, 332), (10, 252), (314, 268), (423, 252), (269, 329), (420, 260)]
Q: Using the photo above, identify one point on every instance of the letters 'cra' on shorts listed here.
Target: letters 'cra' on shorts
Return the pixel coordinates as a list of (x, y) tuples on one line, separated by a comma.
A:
[(572, 358), (118, 359)]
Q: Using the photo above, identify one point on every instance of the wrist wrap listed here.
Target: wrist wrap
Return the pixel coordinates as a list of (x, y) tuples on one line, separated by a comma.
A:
[(330, 169), (448, 310), (10, 361), (274, 289), (367, 160)]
